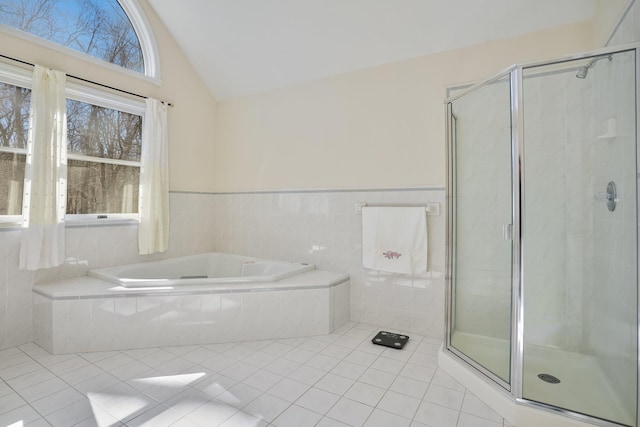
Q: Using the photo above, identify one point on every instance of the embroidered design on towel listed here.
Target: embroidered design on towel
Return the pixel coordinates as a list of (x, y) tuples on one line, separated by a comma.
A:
[(391, 255)]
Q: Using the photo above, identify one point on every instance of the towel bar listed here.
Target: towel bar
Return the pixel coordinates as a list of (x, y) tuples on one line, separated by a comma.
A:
[(433, 209)]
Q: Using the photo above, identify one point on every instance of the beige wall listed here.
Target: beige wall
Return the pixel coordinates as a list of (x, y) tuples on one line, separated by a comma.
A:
[(607, 15), (629, 29), (381, 127), (191, 125)]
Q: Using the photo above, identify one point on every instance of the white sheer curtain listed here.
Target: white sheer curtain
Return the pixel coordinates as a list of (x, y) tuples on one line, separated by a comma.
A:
[(45, 186), (153, 233)]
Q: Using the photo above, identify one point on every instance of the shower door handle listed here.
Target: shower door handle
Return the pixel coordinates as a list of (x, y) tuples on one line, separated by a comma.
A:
[(507, 231)]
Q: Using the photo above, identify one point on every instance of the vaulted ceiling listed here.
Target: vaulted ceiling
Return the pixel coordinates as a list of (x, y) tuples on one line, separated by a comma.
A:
[(242, 47)]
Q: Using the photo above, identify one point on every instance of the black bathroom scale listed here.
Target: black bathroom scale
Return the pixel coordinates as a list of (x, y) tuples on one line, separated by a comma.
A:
[(389, 339)]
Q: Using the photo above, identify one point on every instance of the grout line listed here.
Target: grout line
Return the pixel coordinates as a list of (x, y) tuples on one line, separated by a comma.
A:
[(358, 338)]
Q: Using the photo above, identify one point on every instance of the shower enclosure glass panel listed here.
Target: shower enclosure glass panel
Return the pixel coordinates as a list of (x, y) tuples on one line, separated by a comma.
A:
[(542, 242), (579, 264), (482, 215)]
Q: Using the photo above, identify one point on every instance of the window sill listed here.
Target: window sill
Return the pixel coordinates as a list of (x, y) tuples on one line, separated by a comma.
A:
[(94, 222), (9, 226), (78, 223)]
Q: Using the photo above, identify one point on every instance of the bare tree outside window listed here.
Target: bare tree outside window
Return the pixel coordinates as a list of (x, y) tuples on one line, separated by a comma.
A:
[(14, 128), (102, 145), (99, 28), (101, 188), (103, 132)]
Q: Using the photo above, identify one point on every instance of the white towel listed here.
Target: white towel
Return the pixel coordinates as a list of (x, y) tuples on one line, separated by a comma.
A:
[(395, 239)]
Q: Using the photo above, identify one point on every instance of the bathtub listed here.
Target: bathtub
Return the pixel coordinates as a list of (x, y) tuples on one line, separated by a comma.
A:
[(203, 269), (168, 303)]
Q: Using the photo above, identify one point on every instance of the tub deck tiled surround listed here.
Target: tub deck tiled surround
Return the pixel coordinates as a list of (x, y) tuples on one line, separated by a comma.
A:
[(84, 314), (340, 379)]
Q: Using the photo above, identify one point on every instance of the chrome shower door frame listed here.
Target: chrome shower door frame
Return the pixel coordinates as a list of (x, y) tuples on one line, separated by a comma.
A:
[(451, 232), (515, 73)]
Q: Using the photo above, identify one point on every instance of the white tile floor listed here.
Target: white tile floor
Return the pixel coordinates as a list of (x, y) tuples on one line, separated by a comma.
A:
[(332, 380)]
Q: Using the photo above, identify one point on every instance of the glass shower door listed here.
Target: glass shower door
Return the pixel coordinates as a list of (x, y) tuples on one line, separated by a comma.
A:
[(579, 236), (481, 262)]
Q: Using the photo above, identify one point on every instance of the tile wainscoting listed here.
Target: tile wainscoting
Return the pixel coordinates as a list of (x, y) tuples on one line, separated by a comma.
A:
[(325, 228), (319, 227)]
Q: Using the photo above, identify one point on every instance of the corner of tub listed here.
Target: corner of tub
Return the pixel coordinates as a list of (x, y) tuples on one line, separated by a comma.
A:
[(43, 321), (340, 303)]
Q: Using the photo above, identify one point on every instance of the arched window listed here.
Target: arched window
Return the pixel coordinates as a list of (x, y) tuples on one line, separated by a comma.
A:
[(109, 30), (104, 129)]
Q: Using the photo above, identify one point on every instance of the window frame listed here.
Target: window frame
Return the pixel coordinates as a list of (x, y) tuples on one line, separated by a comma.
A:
[(21, 76), (102, 98), (138, 20)]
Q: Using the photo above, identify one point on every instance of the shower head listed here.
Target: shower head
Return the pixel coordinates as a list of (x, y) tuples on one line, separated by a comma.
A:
[(582, 71)]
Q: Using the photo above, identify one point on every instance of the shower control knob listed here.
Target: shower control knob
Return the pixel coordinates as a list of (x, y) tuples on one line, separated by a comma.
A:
[(610, 197)]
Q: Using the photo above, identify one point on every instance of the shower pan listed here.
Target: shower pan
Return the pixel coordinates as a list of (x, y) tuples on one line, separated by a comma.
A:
[(542, 244)]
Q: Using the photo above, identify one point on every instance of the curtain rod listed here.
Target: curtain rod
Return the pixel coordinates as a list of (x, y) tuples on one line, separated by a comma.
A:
[(170, 104)]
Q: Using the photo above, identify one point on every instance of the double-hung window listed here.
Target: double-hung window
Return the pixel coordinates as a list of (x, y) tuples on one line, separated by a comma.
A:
[(104, 144), (15, 99)]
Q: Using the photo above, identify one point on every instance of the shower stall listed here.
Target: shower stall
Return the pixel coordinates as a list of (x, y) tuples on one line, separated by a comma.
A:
[(542, 268)]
